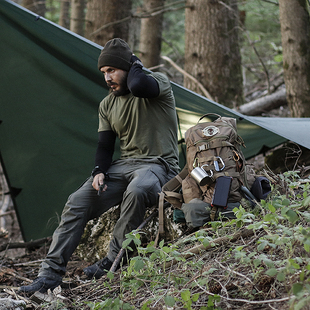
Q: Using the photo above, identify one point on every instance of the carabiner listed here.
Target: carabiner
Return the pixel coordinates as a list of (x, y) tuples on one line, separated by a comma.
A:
[(208, 172), (236, 156), (216, 163)]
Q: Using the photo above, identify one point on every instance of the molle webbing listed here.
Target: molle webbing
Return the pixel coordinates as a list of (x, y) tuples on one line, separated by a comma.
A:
[(213, 145)]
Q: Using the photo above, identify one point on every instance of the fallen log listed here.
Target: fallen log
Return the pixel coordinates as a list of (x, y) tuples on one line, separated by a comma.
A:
[(264, 104), (23, 245)]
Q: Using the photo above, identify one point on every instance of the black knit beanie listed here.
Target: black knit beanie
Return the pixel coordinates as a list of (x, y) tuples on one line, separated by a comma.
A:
[(116, 53)]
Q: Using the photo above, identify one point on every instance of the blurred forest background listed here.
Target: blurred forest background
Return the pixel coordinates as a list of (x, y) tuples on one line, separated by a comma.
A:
[(250, 55)]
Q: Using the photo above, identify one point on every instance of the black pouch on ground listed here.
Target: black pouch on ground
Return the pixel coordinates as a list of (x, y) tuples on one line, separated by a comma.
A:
[(261, 188)]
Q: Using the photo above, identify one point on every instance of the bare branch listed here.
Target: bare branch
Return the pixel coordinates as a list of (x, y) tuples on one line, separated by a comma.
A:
[(5, 270), (272, 2), (235, 272), (34, 262), (148, 14), (260, 60), (253, 302), (222, 240), (204, 91), (111, 24), (7, 213)]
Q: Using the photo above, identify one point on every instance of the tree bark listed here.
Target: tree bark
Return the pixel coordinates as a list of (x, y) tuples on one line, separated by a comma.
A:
[(151, 35), (212, 52), (295, 31), (64, 20), (103, 20), (77, 16), (36, 6)]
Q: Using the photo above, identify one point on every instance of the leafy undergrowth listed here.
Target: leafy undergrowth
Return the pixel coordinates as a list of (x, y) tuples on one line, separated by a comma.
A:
[(260, 260)]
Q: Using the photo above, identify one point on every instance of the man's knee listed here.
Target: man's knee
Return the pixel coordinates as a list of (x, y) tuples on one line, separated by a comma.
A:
[(75, 208), (145, 190), (141, 196)]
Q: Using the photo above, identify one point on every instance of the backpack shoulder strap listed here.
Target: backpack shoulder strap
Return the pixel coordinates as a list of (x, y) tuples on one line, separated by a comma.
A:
[(169, 190), (176, 182)]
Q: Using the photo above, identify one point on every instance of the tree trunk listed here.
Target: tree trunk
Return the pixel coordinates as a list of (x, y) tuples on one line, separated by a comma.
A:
[(151, 34), (64, 20), (77, 16), (212, 52), (36, 6), (104, 20), (295, 31)]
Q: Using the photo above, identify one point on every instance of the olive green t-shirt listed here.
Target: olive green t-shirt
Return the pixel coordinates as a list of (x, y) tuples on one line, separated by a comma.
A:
[(146, 127)]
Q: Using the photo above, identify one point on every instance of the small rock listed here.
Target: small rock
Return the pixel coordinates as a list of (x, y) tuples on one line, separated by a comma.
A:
[(11, 304)]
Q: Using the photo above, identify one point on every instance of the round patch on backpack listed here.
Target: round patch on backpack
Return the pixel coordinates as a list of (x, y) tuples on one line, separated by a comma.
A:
[(210, 131)]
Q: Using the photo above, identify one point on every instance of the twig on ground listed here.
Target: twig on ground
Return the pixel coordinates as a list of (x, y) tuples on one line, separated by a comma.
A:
[(13, 293), (34, 262), (253, 302), (195, 250), (235, 272), (8, 271)]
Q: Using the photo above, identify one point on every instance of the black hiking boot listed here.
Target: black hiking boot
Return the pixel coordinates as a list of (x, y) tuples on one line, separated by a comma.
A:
[(40, 284), (98, 269)]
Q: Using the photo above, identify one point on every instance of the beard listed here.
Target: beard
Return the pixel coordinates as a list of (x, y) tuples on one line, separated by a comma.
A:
[(123, 89)]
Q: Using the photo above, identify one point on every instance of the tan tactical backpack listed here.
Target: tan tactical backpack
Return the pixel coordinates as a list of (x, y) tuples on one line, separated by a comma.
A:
[(214, 147)]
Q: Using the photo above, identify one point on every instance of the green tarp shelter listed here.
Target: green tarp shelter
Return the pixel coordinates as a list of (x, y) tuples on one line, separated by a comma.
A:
[(50, 90)]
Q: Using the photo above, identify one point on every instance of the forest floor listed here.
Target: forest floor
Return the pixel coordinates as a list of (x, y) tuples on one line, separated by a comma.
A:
[(20, 267), (226, 265)]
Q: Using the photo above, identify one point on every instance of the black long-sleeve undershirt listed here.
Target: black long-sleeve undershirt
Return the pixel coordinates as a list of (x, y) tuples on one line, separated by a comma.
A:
[(104, 152), (140, 85)]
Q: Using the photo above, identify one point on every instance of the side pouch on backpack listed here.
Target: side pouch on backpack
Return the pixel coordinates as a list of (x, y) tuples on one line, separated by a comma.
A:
[(249, 175), (196, 213), (190, 189)]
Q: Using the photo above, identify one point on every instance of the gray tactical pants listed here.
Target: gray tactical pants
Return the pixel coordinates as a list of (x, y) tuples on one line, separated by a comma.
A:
[(133, 184)]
